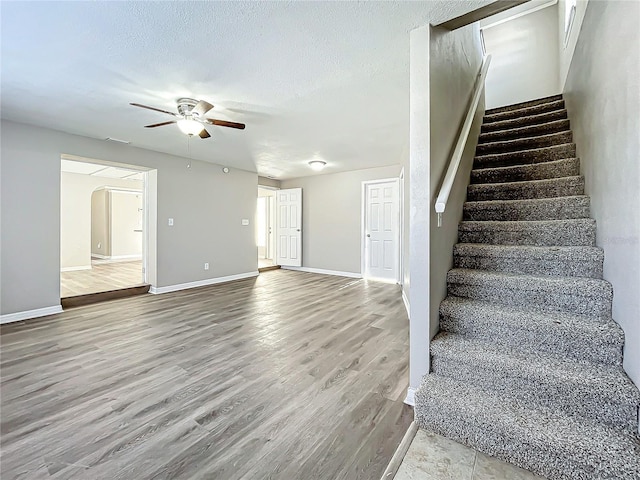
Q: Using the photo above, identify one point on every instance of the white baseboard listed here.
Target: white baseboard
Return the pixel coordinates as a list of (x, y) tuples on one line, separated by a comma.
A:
[(126, 257), (74, 269), (323, 271), (117, 257), (405, 300), (201, 283), (38, 312), (411, 397)]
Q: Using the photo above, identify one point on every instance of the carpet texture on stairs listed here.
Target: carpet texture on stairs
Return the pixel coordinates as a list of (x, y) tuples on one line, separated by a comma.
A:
[(527, 366)]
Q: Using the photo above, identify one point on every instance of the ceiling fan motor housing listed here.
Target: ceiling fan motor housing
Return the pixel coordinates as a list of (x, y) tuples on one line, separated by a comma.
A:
[(185, 106)]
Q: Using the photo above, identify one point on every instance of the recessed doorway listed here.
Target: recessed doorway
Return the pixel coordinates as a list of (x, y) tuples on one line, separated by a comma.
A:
[(265, 234), (102, 229)]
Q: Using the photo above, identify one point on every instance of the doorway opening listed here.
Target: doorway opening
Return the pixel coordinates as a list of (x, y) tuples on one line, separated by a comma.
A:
[(266, 228), (103, 230)]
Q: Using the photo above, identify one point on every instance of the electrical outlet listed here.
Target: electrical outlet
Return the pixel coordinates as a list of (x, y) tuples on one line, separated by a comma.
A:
[(171, 222), (99, 245), (206, 266)]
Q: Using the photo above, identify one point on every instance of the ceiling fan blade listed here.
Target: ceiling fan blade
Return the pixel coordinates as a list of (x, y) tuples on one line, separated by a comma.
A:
[(201, 108), (224, 123), (160, 124), (153, 108), (204, 133)]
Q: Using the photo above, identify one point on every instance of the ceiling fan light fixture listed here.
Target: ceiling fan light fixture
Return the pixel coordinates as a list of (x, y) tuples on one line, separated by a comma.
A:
[(189, 126), (317, 165)]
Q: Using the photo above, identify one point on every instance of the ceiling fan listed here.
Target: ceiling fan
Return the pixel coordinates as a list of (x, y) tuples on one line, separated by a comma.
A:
[(191, 117)]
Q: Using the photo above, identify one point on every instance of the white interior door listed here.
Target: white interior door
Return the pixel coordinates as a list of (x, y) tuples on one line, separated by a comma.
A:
[(289, 227), (381, 230)]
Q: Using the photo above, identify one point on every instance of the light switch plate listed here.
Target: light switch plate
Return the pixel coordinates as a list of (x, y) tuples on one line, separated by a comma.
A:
[(171, 222), (245, 221)]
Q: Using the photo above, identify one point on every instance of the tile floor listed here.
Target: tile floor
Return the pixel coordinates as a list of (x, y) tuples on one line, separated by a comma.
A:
[(433, 457)]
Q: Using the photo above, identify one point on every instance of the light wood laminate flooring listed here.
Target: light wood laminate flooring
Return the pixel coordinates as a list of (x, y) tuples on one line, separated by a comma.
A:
[(102, 277), (288, 375)]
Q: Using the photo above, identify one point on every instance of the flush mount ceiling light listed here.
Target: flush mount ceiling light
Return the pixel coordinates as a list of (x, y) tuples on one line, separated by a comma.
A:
[(317, 165), (190, 126)]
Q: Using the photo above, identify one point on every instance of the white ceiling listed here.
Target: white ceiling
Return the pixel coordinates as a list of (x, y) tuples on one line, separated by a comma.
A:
[(96, 170), (325, 80)]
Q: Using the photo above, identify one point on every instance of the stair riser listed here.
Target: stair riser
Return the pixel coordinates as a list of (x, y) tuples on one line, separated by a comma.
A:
[(569, 167), (554, 301), (521, 105), (563, 187), (524, 132), (524, 144), (552, 210), (526, 157), (524, 112), (557, 341), (523, 266), (574, 399), (557, 235), (524, 121)]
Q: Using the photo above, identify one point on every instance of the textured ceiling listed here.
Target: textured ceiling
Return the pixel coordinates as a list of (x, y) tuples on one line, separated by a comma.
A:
[(325, 80)]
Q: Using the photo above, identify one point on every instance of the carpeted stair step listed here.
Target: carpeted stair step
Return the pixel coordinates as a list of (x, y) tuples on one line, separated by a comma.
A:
[(528, 143), (552, 187), (556, 446), (530, 260), (577, 295), (524, 132), (563, 335), (560, 208), (521, 105), (524, 121), (525, 157), (524, 112), (567, 167), (593, 391), (578, 232)]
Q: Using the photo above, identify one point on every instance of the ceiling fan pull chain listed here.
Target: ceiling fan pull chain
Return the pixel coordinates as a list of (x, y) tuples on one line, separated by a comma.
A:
[(189, 150)]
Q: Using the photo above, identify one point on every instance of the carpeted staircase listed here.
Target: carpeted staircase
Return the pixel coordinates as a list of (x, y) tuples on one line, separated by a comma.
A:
[(528, 364)]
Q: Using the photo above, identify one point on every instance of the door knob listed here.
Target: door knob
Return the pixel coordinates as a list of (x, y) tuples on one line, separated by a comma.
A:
[(297, 230), (368, 234)]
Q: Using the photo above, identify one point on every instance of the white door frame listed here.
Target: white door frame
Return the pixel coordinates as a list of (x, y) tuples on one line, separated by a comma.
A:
[(270, 248), (401, 228), (363, 220)]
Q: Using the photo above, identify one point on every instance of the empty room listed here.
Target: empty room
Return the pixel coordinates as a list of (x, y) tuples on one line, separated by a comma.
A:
[(320, 240)]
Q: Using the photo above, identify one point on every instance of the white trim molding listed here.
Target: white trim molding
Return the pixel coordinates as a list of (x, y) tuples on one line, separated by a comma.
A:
[(75, 269), (27, 314), (405, 300), (410, 399), (201, 283), (322, 271)]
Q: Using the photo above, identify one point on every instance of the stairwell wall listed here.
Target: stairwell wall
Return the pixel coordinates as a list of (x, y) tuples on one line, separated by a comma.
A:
[(444, 66), (451, 92), (602, 94)]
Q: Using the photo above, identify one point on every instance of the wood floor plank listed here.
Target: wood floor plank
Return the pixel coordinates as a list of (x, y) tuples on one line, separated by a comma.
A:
[(288, 376)]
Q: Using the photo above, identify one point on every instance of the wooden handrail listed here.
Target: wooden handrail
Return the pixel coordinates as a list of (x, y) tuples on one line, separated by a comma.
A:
[(456, 156)]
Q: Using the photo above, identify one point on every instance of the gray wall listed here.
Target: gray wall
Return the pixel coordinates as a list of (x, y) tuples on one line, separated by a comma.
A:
[(444, 66), (268, 182), (603, 98), (451, 85), (75, 211), (207, 206), (331, 217), (524, 62), (99, 223)]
